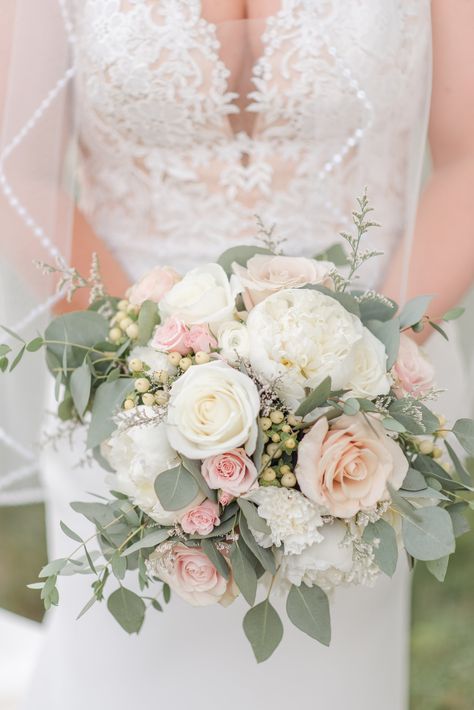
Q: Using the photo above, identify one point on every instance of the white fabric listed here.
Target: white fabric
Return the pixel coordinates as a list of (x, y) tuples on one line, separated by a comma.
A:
[(186, 130), (19, 648)]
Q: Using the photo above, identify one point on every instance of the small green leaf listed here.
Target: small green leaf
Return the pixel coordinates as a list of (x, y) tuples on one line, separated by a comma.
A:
[(176, 488), (119, 565), (439, 329), (460, 470), (217, 559), (239, 255), (253, 518), (386, 553), (316, 399), (439, 567), (351, 407), (388, 332), (461, 524), (244, 571), (156, 605), (70, 533), (414, 481), (18, 358), (263, 555), (335, 254), (425, 422), (431, 536), (264, 630), (86, 608), (80, 383), (454, 313), (107, 401), (148, 319), (154, 538), (464, 433), (414, 311), (10, 332), (308, 609), (194, 468), (35, 344), (166, 593), (393, 425), (53, 567), (128, 609)]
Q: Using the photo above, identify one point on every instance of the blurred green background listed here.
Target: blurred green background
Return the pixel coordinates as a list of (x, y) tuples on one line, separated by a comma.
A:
[(442, 670)]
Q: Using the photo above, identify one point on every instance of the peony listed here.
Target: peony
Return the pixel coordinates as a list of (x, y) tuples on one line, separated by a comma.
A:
[(204, 295), (299, 337), (139, 454), (191, 574), (325, 563), (369, 375), (233, 341), (233, 472), (413, 372), (267, 274), (200, 339), (346, 466), (171, 337), (154, 285), (156, 361), (202, 519), (212, 409), (294, 521)]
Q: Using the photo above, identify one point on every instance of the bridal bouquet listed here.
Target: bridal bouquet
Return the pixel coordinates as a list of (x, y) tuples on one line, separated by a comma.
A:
[(267, 430)]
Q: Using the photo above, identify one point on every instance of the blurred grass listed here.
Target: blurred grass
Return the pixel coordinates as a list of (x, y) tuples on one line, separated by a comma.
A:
[(442, 670)]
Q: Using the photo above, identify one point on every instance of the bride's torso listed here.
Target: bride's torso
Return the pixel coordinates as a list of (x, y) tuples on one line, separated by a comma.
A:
[(189, 129)]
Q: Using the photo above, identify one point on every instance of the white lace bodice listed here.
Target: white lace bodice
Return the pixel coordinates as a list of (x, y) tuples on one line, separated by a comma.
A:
[(188, 130)]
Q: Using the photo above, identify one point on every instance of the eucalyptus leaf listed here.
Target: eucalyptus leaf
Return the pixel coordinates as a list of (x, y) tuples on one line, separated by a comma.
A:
[(259, 449), (148, 319), (263, 555), (388, 332), (80, 328), (308, 609), (107, 401), (119, 565), (239, 255), (423, 422), (375, 309), (80, 384), (464, 433), (335, 254), (439, 329), (386, 552), (345, 299), (460, 470), (243, 570), (18, 358), (392, 424), (431, 536), (264, 630), (86, 608), (438, 568), (217, 559), (253, 518), (128, 609), (414, 311), (351, 407), (454, 313), (429, 468), (194, 468), (414, 481), (316, 399), (35, 344), (152, 539), (461, 524), (53, 567), (70, 533), (176, 488)]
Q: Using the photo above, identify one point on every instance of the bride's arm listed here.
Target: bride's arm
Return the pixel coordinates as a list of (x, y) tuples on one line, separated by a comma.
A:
[(442, 259)]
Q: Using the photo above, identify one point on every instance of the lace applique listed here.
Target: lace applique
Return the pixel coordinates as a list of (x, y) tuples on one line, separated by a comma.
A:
[(338, 94)]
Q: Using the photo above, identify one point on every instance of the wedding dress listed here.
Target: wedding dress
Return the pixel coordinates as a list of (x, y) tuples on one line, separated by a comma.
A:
[(188, 130)]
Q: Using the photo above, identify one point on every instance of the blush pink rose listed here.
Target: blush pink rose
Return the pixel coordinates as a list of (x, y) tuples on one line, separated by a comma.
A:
[(413, 372), (225, 498), (191, 574), (200, 339), (233, 472), (171, 337), (346, 466), (202, 519), (154, 285), (267, 274)]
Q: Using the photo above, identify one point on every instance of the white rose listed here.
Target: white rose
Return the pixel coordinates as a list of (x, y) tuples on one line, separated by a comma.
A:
[(298, 338), (233, 341), (213, 408), (324, 563), (138, 455), (369, 376), (156, 361), (204, 295)]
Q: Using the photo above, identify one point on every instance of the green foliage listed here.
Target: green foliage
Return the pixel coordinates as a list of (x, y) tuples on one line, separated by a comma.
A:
[(431, 536), (128, 609), (264, 630), (263, 555), (253, 518), (239, 255), (308, 609), (438, 568), (334, 254), (317, 398), (464, 433), (151, 538), (218, 560), (243, 569), (414, 416), (107, 401), (194, 468), (388, 333), (414, 311), (81, 384), (176, 488), (386, 552), (148, 319)]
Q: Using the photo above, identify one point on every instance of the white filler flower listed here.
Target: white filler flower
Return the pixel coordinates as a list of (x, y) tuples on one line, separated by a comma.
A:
[(294, 521)]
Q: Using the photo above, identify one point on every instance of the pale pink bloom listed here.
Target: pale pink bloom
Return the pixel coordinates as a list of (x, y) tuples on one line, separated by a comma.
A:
[(225, 498), (413, 372), (233, 472), (202, 519), (190, 573), (154, 285), (171, 337), (346, 466), (267, 274), (200, 339)]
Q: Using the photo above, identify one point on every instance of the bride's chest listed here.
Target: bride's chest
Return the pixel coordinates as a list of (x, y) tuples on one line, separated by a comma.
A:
[(157, 73)]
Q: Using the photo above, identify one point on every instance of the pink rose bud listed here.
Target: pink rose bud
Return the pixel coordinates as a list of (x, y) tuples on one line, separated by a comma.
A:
[(413, 372), (200, 339), (154, 285), (202, 519), (233, 472), (171, 337), (225, 498)]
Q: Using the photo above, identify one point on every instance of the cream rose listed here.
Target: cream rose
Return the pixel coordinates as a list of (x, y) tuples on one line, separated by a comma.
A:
[(347, 466), (213, 408), (267, 274), (138, 455), (299, 337), (204, 295), (233, 341), (154, 285), (413, 372), (369, 375), (191, 574)]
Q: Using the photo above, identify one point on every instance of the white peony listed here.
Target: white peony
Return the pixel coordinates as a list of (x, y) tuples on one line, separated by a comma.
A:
[(300, 336), (138, 455), (204, 295), (294, 521), (212, 409), (369, 376), (325, 563), (233, 341), (156, 361)]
